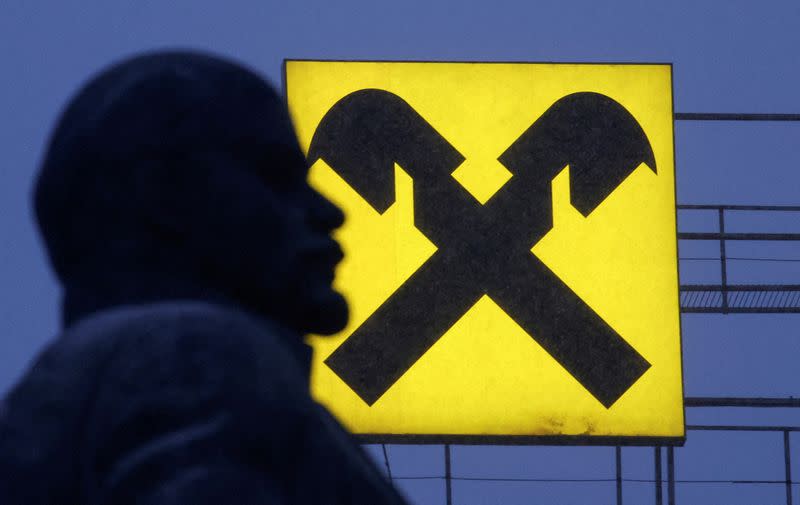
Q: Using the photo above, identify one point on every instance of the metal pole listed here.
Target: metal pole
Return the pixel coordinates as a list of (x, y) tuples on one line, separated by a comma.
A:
[(787, 456), (733, 116), (386, 460), (659, 486), (723, 261), (670, 475), (705, 401), (447, 475), (619, 475)]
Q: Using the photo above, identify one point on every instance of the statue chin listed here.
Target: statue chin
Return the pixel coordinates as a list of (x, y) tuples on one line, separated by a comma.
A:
[(326, 315)]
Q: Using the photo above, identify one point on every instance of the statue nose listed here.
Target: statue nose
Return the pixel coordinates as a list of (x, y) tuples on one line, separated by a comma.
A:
[(323, 214)]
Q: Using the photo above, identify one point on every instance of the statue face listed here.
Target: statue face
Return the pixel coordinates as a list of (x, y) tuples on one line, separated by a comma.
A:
[(305, 255), (270, 232), (256, 229), (265, 231)]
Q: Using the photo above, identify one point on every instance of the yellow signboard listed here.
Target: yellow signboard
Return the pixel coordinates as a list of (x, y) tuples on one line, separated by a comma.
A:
[(511, 255)]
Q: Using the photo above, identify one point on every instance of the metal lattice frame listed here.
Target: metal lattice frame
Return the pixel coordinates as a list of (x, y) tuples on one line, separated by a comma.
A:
[(658, 479), (724, 298)]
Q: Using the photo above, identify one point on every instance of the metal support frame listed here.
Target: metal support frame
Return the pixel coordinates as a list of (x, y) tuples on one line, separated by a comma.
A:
[(733, 116), (691, 402), (386, 462), (618, 458), (733, 401), (448, 475), (671, 475), (659, 484), (724, 298), (723, 263), (700, 235), (787, 456)]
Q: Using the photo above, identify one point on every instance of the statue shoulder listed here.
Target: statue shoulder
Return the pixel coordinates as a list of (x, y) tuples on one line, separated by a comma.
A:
[(195, 347), (173, 366)]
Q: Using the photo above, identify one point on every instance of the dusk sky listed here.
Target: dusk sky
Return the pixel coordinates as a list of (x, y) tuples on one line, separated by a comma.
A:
[(727, 56)]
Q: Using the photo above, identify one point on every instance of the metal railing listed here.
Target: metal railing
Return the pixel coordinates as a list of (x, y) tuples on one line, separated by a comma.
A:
[(658, 480), (725, 298)]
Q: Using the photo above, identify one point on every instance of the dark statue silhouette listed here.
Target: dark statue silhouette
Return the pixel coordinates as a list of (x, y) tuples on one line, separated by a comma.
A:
[(193, 256)]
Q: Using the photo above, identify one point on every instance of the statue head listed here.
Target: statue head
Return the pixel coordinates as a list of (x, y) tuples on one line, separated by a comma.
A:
[(178, 175)]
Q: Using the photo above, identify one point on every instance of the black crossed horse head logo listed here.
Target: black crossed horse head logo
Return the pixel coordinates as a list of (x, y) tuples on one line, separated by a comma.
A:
[(483, 249)]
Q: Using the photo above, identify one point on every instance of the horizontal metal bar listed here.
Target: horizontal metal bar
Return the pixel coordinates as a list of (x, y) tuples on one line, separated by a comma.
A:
[(592, 480), (707, 401), (740, 287), (740, 310), (788, 208), (696, 427), (524, 479), (734, 116), (740, 258), (737, 236)]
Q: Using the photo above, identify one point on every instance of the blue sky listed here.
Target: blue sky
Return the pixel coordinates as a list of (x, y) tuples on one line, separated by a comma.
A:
[(728, 56)]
